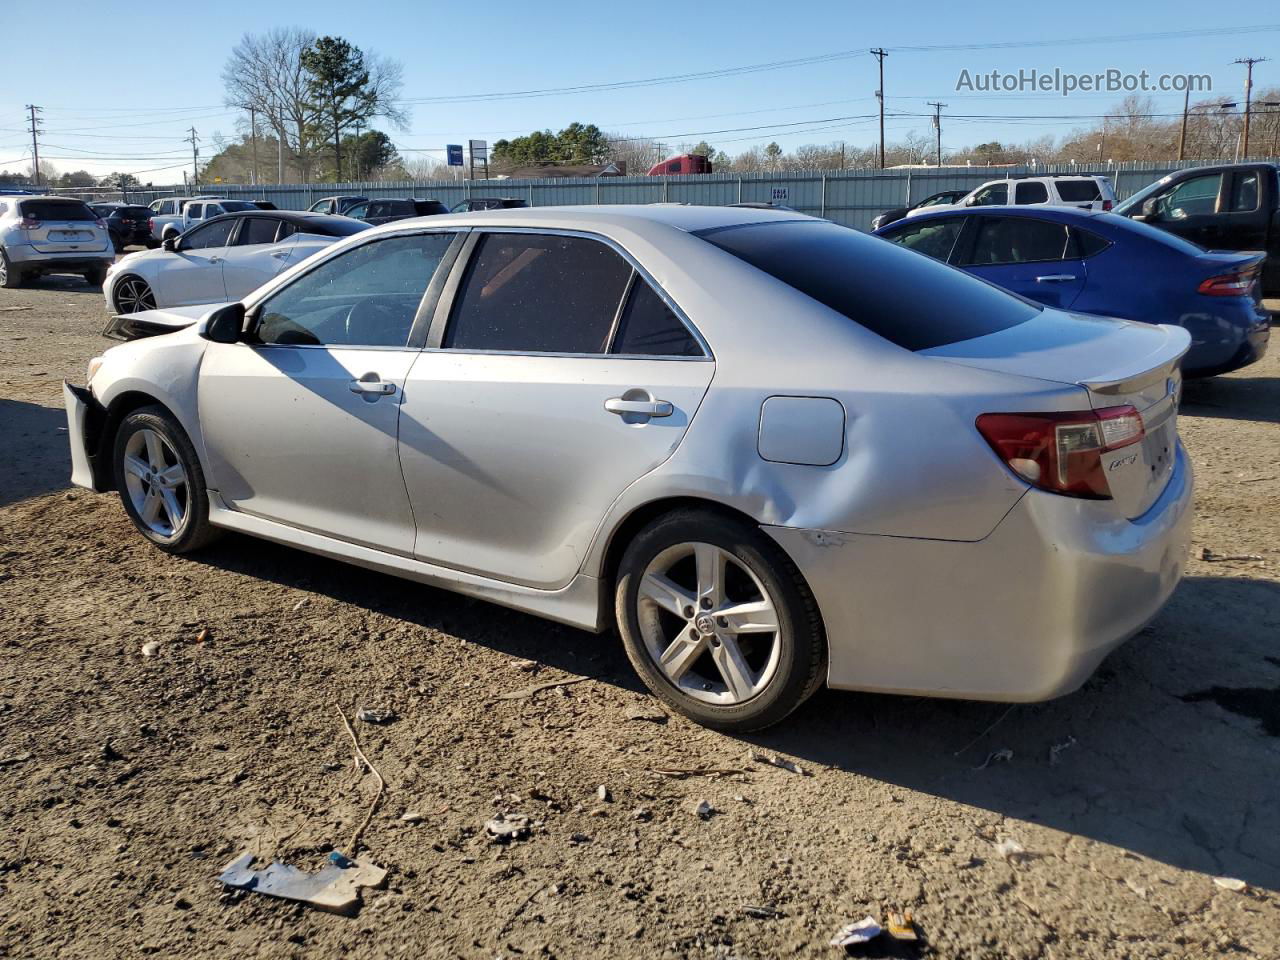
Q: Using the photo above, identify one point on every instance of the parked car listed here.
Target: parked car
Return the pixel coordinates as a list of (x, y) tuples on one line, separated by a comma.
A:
[(685, 163), (264, 204), (1233, 206), (168, 206), (128, 224), (761, 507), (220, 259), (375, 212), (194, 211), (945, 198), (1108, 265), (335, 205), (472, 204), (1088, 192), (40, 235)]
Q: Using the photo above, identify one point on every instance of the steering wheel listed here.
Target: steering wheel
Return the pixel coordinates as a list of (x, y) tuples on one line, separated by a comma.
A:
[(373, 323)]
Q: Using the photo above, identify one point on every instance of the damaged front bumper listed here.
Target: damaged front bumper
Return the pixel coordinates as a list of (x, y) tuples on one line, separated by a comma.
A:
[(84, 428)]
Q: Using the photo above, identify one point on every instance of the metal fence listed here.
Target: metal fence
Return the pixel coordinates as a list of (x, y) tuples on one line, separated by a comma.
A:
[(849, 197)]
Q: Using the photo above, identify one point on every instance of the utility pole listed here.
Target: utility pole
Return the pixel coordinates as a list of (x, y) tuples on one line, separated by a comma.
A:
[(253, 136), (35, 139), (1182, 136), (937, 125), (355, 161), (880, 53), (1248, 88), (195, 157)]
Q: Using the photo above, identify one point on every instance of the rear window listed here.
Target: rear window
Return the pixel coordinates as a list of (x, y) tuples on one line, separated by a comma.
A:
[(327, 226), (1076, 191), (431, 207), (236, 205), (912, 301), (57, 210)]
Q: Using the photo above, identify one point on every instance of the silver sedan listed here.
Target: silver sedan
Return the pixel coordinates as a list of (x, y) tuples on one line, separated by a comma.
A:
[(772, 452)]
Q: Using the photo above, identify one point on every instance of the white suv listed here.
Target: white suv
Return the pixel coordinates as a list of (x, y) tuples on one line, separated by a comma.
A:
[(1087, 192), (52, 235)]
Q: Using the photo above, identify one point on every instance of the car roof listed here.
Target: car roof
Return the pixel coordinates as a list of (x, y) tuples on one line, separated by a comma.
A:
[(688, 218), (1037, 211)]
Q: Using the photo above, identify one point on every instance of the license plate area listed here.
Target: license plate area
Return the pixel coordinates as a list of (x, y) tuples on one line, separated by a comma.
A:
[(70, 236)]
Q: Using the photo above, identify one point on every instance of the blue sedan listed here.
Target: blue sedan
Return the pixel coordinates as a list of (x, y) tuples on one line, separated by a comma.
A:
[(1105, 264)]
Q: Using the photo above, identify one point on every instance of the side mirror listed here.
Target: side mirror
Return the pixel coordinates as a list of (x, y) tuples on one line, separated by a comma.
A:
[(1150, 208), (169, 243), (226, 324)]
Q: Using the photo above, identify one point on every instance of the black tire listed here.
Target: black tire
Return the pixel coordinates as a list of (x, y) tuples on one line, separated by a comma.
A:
[(802, 647), (10, 276), (194, 531), (117, 244), (96, 277)]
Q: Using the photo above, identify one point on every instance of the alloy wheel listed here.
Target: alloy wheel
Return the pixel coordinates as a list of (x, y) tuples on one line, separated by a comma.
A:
[(134, 295), (708, 624), (156, 482)]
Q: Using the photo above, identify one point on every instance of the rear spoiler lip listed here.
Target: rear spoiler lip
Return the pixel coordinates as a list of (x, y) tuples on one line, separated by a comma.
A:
[(1123, 381)]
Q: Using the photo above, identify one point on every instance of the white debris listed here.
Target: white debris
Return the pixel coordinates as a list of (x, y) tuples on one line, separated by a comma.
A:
[(704, 809), (150, 648), (603, 793), (854, 933), (782, 763), (1011, 849), (1231, 883)]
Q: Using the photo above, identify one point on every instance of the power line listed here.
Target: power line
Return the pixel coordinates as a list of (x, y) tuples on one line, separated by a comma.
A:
[(879, 53)]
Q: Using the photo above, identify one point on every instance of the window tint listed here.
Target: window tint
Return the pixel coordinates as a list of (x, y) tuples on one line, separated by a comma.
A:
[(359, 210), (367, 296), (320, 206), (1088, 243), (257, 230), (236, 206), (209, 235), (1017, 240), (1030, 192), (538, 294), (995, 195), (76, 210), (912, 301), (1077, 191), (650, 328), (1191, 198), (287, 229), (1244, 193), (933, 237), (195, 211)]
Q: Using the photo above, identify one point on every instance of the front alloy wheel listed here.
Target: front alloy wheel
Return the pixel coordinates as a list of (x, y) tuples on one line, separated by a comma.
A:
[(133, 295)]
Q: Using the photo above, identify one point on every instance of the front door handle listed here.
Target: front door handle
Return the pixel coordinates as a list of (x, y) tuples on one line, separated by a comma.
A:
[(1056, 278), (643, 408), (372, 386)]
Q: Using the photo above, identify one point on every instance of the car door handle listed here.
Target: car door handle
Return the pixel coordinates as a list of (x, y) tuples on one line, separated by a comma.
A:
[(280, 254), (215, 259), (1056, 278), (370, 385), (644, 408)]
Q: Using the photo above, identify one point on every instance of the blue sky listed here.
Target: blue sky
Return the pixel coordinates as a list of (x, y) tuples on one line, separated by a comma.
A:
[(112, 116)]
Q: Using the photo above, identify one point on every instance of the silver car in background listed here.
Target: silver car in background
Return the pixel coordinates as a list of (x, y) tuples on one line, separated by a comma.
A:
[(774, 452), (40, 235)]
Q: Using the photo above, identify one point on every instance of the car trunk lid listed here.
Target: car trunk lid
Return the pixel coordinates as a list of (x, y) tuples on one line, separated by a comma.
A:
[(62, 226), (1117, 363)]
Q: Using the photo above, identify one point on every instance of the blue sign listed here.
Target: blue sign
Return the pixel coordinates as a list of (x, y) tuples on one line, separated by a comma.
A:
[(454, 150)]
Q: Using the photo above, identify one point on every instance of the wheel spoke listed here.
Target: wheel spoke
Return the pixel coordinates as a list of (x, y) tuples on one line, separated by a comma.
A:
[(171, 507), (667, 594), (733, 668), (710, 562), (173, 476), (155, 451), (757, 616), (135, 466), (151, 509), (681, 655)]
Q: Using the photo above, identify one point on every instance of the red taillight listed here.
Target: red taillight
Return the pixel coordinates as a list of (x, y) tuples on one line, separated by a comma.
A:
[(151, 224), (1062, 452), (101, 223), (126, 221), (1107, 204), (28, 223), (1228, 284)]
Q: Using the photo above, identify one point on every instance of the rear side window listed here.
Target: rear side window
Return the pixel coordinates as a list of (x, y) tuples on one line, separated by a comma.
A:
[(934, 238), (650, 328), (1030, 192), (538, 293), (1078, 191), (1244, 193), (74, 210), (914, 302), (1088, 243), (1018, 240), (257, 230)]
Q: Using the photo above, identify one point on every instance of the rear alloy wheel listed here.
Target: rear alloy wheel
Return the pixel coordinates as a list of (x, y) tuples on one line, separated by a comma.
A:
[(10, 276), (132, 295), (718, 622), (160, 481)]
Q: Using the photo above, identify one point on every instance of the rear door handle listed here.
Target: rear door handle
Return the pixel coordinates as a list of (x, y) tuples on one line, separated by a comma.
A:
[(643, 408), (370, 385), (1056, 278)]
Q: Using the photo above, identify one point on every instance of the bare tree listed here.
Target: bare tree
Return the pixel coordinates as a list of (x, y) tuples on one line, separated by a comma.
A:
[(264, 73), (638, 153)]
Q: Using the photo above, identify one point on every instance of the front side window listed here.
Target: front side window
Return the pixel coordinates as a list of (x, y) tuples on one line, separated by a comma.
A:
[(1191, 198), (360, 210), (320, 206), (538, 293), (1244, 193), (366, 296), (648, 327), (1030, 192), (934, 238), (254, 230), (195, 211), (210, 235), (997, 194), (1018, 240)]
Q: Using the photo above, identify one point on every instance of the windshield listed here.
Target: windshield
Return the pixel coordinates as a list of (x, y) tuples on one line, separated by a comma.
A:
[(1135, 202), (909, 299)]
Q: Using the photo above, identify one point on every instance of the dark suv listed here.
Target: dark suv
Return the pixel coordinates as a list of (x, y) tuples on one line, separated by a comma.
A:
[(375, 212), (128, 224), (489, 203)]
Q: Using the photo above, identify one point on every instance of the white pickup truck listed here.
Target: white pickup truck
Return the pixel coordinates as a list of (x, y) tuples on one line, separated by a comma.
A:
[(183, 213)]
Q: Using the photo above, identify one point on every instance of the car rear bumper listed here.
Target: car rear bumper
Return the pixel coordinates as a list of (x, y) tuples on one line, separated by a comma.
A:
[(1025, 614), (1226, 341), (29, 258)]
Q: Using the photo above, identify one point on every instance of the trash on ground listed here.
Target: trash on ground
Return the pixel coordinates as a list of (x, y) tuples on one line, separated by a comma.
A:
[(603, 793), (375, 716), (150, 648), (335, 888), (1231, 883), (862, 931), (782, 763), (203, 635), (1209, 555), (995, 756), (300, 604), (1057, 748), (526, 666), (412, 816), (506, 827), (704, 809), (538, 688), (681, 773), (901, 926), (762, 911), (1011, 850)]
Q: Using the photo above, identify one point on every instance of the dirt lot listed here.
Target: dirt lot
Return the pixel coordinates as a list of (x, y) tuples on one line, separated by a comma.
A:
[(127, 782)]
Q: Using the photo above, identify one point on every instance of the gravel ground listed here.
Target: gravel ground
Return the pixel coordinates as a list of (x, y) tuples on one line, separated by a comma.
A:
[(128, 781)]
